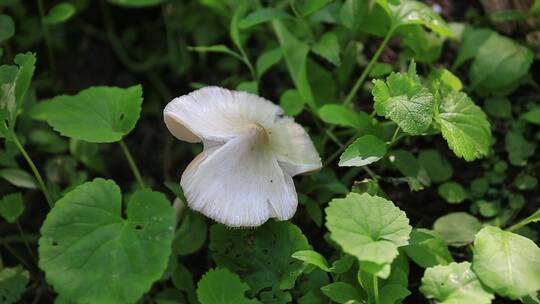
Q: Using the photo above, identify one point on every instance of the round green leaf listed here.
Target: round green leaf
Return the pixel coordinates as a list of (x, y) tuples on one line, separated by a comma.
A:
[(11, 207), (7, 27), (507, 262), (92, 254), (13, 282), (97, 114), (369, 227), (59, 13), (452, 192), (457, 229), (220, 286), (455, 283), (363, 151)]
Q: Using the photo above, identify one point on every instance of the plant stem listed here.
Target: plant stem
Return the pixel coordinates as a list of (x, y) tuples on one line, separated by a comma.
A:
[(368, 68), (46, 36), (376, 289), (24, 239), (34, 169), (132, 164)]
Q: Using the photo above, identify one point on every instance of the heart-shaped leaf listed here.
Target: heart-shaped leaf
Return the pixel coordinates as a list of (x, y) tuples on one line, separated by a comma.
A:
[(92, 254)]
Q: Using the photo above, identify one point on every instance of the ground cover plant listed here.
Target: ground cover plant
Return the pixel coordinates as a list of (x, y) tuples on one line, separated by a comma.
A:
[(410, 128)]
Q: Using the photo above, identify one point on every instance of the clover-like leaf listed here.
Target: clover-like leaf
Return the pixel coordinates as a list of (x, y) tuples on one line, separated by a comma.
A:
[(368, 227), (464, 126), (11, 207), (92, 254), (220, 286), (363, 151), (404, 100), (12, 284), (454, 283), (507, 262), (262, 257), (97, 114)]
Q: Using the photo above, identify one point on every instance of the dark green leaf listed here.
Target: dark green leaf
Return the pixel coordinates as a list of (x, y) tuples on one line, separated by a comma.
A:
[(363, 151), (11, 207)]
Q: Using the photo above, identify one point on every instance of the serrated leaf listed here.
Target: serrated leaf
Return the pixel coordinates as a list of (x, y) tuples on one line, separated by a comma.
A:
[(368, 227), (262, 257), (220, 286), (11, 207), (455, 283), (506, 262), (363, 151), (427, 248), (458, 228), (13, 283), (262, 15), (405, 101), (328, 48), (464, 126), (59, 13), (96, 114), (120, 257)]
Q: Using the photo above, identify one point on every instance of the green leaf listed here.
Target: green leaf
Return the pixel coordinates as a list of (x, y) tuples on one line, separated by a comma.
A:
[(19, 178), (262, 15), (120, 257), (262, 257), (267, 60), (248, 86), (328, 48), (363, 151), (11, 207), (507, 262), (405, 101), (295, 53), (343, 116), (454, 283), (218, 48), (437, 167), (353, 12), (292, 102), (532, 116), (499, 107), (7, 27), (415, 12), (60, 13), (458, 228), (452, 192), (311, 6), (191, 235), (464, 126), (220, 286), (312, 257), (13, 283), (368, 227), (519, 149), (341, 292), (499, 63), (183, 280), (26, 63), (427, 248), (96, 114), (392, 293), (136, 3)]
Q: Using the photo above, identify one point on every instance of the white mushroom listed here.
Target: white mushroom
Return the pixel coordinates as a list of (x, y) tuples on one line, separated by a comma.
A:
[(244, 175)]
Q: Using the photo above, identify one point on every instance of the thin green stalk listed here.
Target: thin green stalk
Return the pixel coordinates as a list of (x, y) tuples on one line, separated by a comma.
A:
[(522, 223), (376, 289), (368, 68), (17, 256), (24, 239), (132, 164), (34, 169), (46, 36)]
